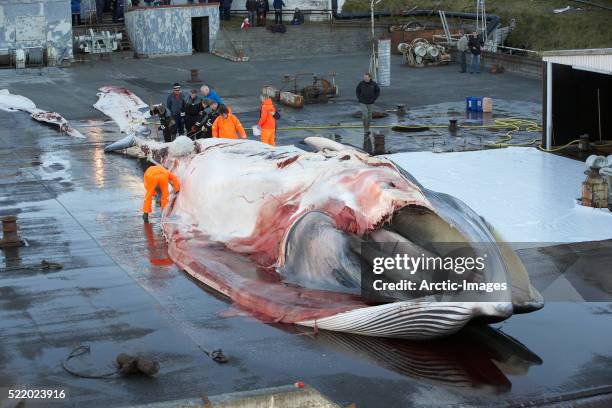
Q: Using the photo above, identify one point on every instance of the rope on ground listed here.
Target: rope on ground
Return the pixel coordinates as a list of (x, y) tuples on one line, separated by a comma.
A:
[(79, 351), (126, 365)]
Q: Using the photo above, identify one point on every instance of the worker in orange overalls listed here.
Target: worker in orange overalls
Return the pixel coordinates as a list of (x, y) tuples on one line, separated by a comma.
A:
[(267, 121), (157, 177), (227, 126)]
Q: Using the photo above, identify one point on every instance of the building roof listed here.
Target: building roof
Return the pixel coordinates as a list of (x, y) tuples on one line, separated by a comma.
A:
[(596, 59)]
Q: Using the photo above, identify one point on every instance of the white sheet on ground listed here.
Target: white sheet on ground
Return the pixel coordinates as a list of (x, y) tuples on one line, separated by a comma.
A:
[(528, 196)]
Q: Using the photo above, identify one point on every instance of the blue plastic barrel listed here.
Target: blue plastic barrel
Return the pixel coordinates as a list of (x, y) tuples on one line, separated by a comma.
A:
[(473, 103)]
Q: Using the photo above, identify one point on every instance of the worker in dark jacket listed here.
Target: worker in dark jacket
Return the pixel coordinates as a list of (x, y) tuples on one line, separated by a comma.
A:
[(278, 11), (475, 45), (192, 111), (99, 10), (166, 122), (262, 12), (209, 116), (251, 6), (176, 105), (226, 6), (367, 92), (118, 11)]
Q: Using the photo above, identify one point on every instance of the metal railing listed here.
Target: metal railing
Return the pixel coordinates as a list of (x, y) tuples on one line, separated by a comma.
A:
[(289, 13)]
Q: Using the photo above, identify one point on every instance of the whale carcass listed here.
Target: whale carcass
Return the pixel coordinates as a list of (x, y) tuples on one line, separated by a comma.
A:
[(13, 103), (279, 231), (124, 107), (272, 228)]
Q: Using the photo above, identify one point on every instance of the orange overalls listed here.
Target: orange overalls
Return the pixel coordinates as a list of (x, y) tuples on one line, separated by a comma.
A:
[(228, 128), (267, 123), (157, 176)]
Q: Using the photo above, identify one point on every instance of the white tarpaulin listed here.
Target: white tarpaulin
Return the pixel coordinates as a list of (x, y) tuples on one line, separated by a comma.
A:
[(526, 194)]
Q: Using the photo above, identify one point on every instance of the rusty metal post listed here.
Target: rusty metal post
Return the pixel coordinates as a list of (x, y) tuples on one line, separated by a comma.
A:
[(10, 238), (452, 125), (379, 144), (194, 76)]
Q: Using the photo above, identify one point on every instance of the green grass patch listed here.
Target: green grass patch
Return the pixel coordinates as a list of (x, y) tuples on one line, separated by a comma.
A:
[(537, 27)]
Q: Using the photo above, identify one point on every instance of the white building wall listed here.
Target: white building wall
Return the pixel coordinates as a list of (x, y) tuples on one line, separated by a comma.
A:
[(599, 60)]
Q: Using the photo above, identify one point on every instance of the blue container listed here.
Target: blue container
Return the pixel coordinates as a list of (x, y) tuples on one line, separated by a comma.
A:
[(473, 103)]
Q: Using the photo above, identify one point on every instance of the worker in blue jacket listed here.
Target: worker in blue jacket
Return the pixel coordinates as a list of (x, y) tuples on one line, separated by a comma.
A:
[(176, 105), (208, 93)]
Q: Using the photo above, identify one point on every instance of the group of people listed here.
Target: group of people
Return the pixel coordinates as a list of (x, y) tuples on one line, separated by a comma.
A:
[(257, 12), (471, 44), (199, 115), (203, 114), (191, 113), (257, 18)]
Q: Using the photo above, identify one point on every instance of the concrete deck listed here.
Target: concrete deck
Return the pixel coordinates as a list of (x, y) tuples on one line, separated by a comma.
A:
[(117, 292), (432, 95)]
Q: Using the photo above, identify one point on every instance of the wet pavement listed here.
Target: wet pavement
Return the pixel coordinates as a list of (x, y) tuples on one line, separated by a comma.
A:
[(118, 292)]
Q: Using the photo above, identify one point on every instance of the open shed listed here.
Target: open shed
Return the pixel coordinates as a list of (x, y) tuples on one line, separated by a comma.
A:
[(577, 96), (174, 29)]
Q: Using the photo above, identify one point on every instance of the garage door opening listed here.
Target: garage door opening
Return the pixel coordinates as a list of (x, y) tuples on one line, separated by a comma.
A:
[(581, 103), (199, 34), (577, 99)]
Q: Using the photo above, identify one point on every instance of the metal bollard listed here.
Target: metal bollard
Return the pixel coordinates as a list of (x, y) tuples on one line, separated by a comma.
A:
[(10, 238), (452, 125), (379, 144)]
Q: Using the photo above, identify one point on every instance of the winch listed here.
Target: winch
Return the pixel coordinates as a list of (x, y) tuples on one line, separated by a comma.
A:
[(100, 42)]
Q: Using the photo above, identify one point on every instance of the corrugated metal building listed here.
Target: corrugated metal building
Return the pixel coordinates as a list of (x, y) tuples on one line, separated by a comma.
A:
[(173, 30), (577, 95), (35, 25)]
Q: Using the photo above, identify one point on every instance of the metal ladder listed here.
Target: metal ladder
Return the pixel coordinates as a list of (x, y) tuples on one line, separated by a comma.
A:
[(445, 26), (481, 19)]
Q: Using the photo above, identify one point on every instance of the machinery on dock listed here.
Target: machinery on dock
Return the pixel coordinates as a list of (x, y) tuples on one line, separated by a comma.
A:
[(98, 42), (596, 187), (320, 90), (421, 53)]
